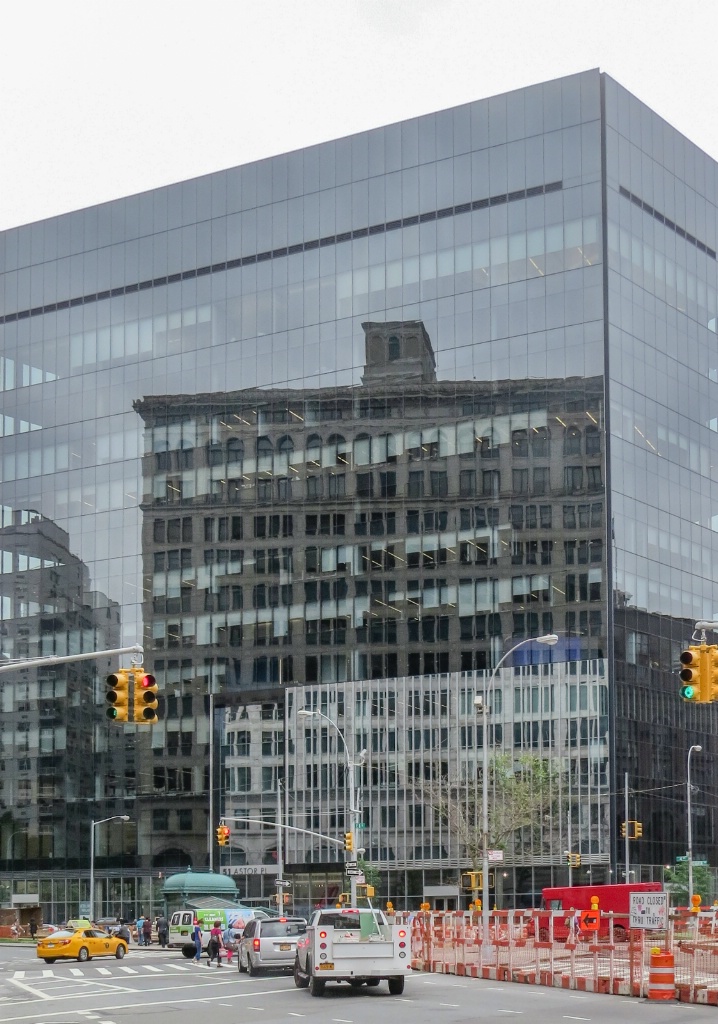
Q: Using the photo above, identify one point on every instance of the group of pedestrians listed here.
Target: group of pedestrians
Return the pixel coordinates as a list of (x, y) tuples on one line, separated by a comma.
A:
[(221, 943), (144, 931)]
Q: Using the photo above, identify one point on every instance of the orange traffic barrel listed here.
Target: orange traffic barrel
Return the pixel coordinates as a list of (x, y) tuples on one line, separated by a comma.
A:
[(661, 977)]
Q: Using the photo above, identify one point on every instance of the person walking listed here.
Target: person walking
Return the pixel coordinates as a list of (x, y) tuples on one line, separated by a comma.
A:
[(197, 939), (229, 944), (33, 928), (163, 931), (215, 944), (139, 925), (147, 930)]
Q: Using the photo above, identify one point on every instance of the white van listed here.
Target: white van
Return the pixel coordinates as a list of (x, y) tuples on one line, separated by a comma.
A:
[(181, 923)]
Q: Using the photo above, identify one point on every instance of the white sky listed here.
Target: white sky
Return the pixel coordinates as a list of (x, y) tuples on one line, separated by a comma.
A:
[(102, 98)]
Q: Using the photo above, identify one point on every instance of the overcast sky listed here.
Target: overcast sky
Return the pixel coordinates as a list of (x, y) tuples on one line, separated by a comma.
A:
[(100, 98)]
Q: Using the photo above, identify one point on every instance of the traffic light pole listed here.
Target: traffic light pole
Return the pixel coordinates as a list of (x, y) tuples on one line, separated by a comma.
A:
[(65, 659), (627, 839)]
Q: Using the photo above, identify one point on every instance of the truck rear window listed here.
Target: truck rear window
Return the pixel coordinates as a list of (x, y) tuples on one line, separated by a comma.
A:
[(339, 920)]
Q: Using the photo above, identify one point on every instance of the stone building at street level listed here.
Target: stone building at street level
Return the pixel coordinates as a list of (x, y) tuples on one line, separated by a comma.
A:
[(558, 244)]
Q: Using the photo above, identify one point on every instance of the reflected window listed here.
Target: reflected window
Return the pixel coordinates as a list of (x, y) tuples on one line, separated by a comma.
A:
[(235, 450), (285, 445), (520, 443), (540, 442), (572, 478), (265, 448), (314, 450), (593, 441), (572, 441), (394, 348)]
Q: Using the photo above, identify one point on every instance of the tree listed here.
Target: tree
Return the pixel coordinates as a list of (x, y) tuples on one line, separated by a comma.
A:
[(676, 882), (523, 793)]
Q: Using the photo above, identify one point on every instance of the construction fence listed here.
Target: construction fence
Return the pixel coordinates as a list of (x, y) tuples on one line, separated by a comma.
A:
[(537, 947)]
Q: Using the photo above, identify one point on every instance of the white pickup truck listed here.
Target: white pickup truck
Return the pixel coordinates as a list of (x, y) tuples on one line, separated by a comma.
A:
[(358, 946)]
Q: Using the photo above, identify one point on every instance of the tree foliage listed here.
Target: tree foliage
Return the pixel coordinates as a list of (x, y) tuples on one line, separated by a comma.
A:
[(676, 880), (523, 792)]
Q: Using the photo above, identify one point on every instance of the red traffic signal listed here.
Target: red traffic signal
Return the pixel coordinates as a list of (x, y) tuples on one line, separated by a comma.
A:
[(145, 692)]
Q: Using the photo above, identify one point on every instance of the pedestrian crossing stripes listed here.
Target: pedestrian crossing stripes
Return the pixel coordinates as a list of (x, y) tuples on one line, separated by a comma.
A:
[(91, 971)]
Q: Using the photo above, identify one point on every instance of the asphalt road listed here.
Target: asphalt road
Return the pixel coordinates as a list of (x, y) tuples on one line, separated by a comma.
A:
[(166, 988)]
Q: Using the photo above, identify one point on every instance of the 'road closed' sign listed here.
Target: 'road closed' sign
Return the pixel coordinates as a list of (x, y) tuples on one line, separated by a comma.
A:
[(649, 910)]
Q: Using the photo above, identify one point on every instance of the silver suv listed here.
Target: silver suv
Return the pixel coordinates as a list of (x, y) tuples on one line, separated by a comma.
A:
[(270, 943)]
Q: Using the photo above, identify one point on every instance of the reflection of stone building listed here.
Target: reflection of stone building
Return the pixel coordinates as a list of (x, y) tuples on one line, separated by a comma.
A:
[(401, 528), (58, 759)]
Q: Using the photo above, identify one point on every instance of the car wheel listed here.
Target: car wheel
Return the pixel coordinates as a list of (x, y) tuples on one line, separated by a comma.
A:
[(241, 966), (316, 986), (372, 983), (83, 954), (355, 983), (188, 951), (251, 969), (120, 952), (50, 959), (396, 986)]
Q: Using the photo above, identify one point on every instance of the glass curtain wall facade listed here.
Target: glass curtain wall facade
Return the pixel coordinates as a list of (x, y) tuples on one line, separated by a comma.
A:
[(340, 428)]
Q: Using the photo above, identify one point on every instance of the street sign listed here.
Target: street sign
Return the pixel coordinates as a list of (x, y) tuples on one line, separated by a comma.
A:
[(282, 883), (495, 856), (648, 910), (679, 860), (350, 865), (357, 872), (700, 863), (361, 824)]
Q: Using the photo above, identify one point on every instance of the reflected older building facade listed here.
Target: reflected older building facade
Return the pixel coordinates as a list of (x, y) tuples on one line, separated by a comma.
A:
[(376, 410), (405, 527)]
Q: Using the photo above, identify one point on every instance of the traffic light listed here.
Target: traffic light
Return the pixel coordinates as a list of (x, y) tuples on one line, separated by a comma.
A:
[(349, 841), (573, 860), (145, 698), (637, 829), (694, 675), (365, 891), (118, 695), (473, 880), (624, 829), (222, 835), (711, 672)]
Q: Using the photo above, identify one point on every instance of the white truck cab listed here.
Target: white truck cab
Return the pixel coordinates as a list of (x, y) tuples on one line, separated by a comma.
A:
[(356, 945)]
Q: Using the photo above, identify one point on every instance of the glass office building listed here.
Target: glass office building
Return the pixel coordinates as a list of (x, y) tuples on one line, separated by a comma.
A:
[(335, 431)]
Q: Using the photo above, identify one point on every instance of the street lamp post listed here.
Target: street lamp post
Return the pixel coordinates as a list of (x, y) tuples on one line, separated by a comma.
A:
[(697, 747), (482, 704), (353, 767), (93, 826)]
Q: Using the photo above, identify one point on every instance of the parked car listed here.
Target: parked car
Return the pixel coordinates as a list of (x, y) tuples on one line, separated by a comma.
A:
[(269, 942), (80, 944)]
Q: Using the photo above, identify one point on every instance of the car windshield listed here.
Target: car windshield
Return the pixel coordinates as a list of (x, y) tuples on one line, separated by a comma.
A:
[(275, 929)]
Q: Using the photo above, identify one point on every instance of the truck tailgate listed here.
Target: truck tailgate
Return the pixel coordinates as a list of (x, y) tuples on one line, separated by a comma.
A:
[(363, 950)]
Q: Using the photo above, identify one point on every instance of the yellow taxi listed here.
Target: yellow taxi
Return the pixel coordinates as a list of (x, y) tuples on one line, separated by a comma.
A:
[(80, 944)]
